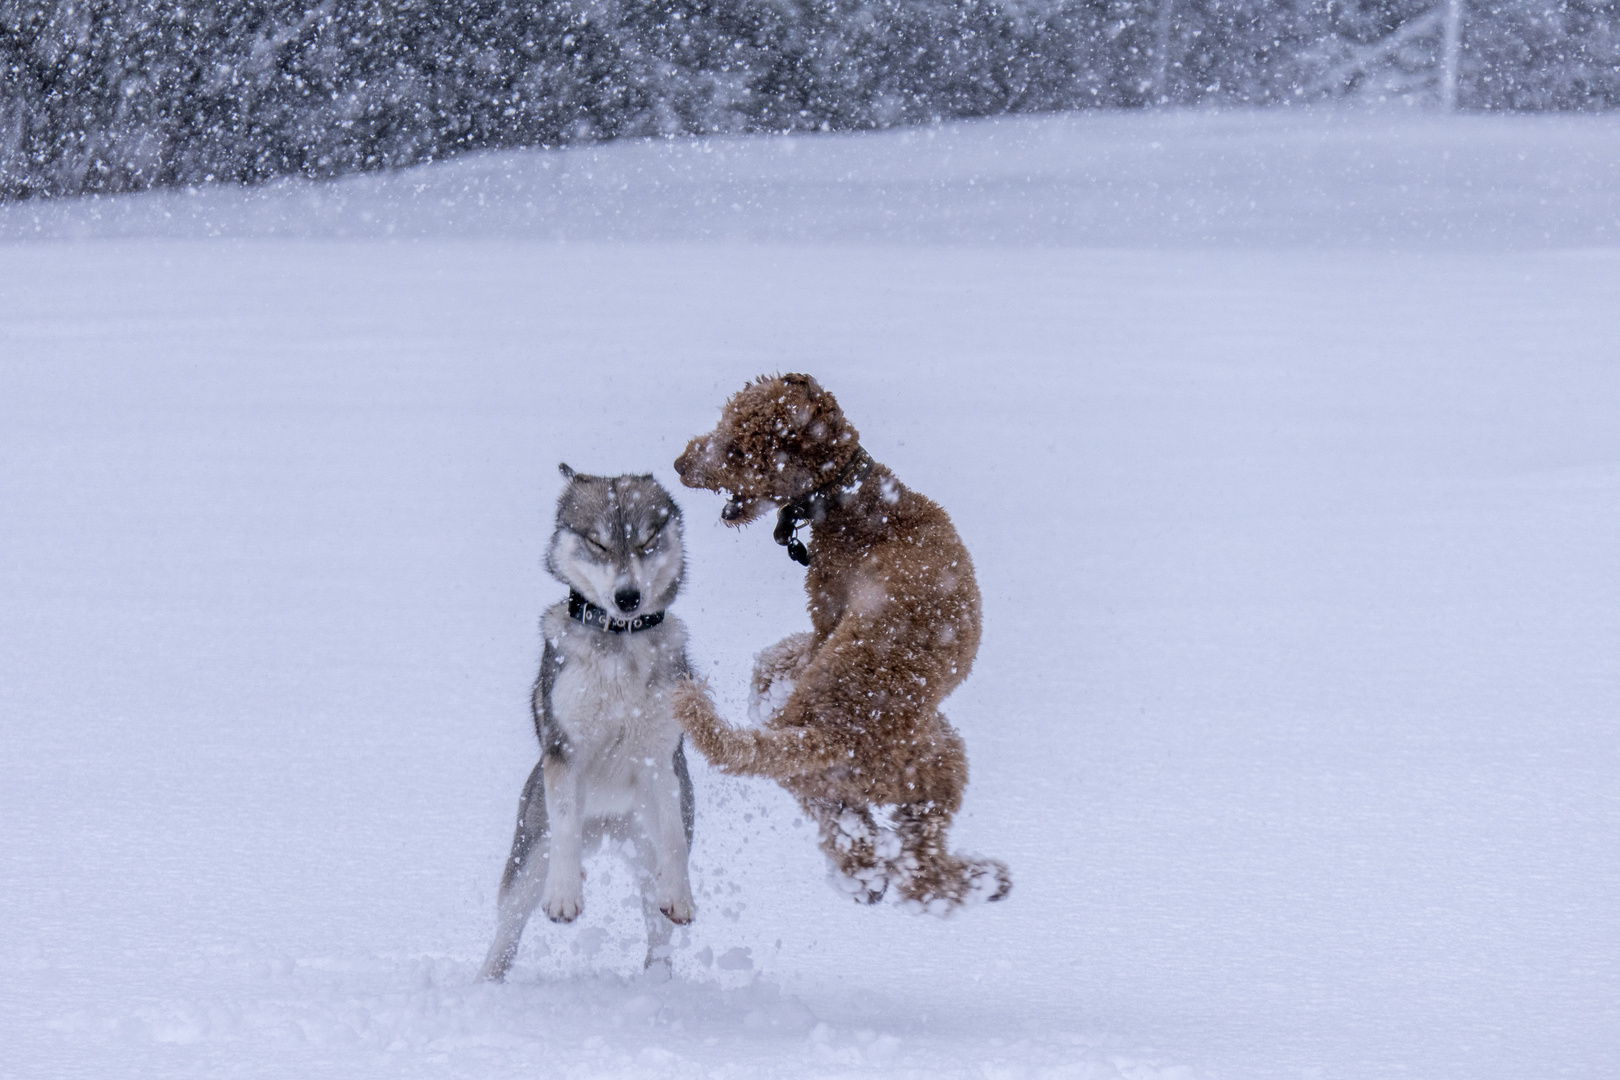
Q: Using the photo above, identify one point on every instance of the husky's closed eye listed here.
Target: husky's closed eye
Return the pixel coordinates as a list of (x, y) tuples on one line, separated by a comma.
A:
[(650, 544)]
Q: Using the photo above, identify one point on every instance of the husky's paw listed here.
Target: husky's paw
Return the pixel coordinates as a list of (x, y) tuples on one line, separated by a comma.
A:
[(563, 904), (679, 910), (657, 968)]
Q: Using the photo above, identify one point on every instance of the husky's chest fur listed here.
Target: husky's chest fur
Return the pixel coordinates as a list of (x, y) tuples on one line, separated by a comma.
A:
[(605, 704)]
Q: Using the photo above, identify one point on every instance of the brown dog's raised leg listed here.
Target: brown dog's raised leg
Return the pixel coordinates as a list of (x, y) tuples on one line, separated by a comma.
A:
[(859, 851), (779, 753), (927, 874)]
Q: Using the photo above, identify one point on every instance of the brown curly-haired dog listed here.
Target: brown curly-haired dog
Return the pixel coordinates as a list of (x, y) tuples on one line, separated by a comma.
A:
[(850, 711)]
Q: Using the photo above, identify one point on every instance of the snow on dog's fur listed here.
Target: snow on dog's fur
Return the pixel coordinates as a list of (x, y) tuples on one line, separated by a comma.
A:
[(611, 762), (850, 711)]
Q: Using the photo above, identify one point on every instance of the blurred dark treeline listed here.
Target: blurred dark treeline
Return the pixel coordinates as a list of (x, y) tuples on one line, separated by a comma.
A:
[(113, 95)]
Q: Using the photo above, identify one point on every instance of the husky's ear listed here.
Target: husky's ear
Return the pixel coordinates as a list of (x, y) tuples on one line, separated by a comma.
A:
[(567, 472)]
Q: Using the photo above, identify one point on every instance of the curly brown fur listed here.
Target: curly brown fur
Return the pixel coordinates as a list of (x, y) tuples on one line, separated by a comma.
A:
[(895, 611)]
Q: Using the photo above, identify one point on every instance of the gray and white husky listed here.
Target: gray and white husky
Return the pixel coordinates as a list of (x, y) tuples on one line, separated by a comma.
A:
[(611, 760)]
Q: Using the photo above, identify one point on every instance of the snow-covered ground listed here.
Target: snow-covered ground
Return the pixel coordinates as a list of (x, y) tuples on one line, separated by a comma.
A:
[(1286, 448)]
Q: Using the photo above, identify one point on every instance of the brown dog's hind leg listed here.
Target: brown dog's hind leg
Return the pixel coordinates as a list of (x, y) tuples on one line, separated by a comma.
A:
[(858, 850), (926, 874)]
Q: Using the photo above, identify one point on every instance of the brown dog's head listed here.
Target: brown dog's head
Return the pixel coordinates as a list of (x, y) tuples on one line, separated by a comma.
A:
[(778, 438)]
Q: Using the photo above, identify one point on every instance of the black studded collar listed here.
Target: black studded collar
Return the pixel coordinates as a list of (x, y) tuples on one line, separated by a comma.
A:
[(582, 610)]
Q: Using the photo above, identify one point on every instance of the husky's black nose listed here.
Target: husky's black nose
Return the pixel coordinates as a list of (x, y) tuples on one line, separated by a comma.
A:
[(628, 598)]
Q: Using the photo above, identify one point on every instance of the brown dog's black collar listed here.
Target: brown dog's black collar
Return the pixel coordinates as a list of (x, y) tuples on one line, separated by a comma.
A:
[(813, 507), (582, 610)]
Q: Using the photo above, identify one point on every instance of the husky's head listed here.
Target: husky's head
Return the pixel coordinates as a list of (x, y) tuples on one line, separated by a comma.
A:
[(778, 438), (618, 542)]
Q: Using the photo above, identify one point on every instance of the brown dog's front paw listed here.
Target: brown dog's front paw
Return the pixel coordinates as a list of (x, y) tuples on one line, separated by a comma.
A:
[(690, 704)]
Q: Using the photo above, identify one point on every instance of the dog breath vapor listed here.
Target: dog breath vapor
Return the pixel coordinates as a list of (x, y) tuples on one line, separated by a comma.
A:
[(1284, 449)]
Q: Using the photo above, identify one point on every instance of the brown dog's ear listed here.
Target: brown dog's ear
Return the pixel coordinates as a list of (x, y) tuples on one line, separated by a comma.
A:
[(802, 401), (567, 473), (815, 416)]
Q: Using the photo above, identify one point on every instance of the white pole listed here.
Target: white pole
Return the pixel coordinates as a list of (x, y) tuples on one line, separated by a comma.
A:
[(1450, 54), (1161, 53)]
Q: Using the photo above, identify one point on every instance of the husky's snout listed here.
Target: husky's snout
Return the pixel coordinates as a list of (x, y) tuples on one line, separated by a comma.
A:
[(627, 598)]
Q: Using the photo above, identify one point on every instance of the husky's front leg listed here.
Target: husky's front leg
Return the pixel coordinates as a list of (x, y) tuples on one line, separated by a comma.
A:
[(665, 811), (564, 895)]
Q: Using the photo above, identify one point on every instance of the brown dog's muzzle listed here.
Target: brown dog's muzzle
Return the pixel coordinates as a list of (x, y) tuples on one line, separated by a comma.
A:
[(686, 466), (683, 464), (696, 468), (696, 465)]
